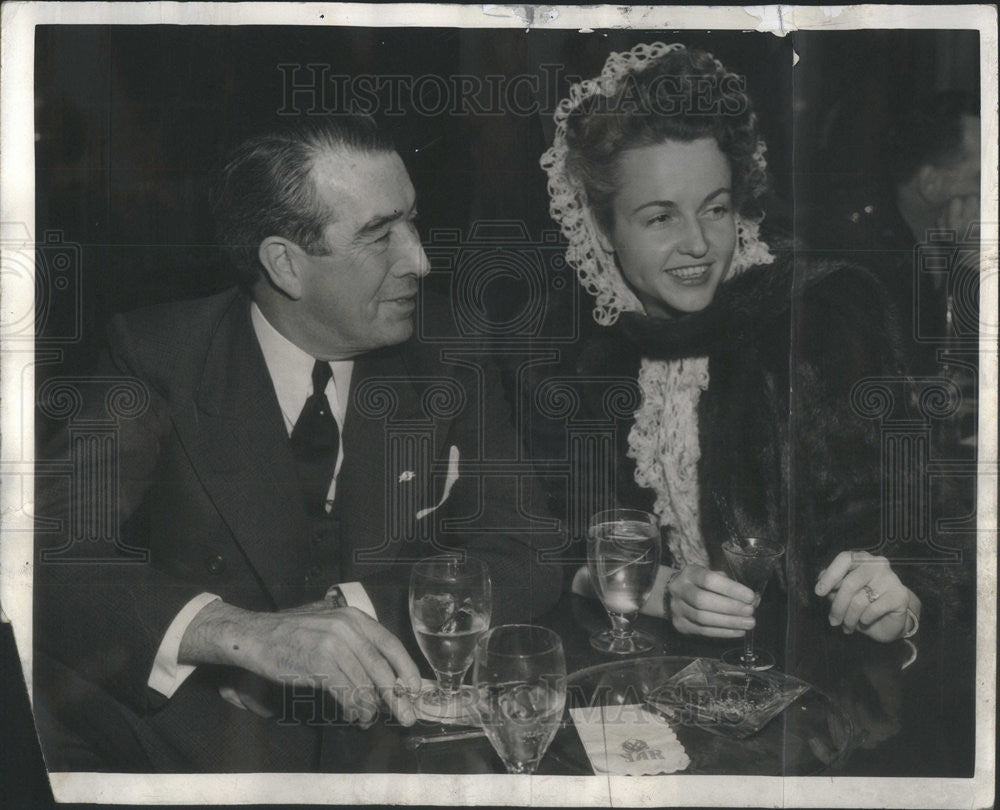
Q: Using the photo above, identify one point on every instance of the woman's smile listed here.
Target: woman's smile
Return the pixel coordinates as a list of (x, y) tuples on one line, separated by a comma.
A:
[(690, 275)]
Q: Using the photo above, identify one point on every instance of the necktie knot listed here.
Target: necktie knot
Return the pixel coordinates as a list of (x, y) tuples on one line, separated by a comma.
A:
[(321, 375)]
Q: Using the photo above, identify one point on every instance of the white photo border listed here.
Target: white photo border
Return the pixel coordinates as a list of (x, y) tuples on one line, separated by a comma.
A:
[(18, 206)]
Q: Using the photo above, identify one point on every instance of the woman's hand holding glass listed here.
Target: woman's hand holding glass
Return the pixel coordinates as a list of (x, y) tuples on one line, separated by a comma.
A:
[(866, 596), (709, 603), (701, 601), (623, 555)]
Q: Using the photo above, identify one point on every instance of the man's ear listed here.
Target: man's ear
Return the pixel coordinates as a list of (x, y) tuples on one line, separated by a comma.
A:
[(279, 260), (930, 184)]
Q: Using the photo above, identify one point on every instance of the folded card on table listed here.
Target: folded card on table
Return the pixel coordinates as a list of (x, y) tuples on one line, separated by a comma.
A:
[(628, 740)]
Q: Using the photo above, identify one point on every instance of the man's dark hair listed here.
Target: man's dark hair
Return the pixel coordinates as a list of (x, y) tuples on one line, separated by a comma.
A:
[(267, 187), (929, 133)]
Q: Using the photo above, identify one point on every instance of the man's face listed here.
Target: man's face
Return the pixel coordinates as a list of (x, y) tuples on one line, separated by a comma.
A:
[(961, 179), (362, 295)]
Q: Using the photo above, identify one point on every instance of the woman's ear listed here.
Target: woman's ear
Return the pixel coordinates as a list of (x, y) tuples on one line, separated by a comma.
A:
[(279, 259)]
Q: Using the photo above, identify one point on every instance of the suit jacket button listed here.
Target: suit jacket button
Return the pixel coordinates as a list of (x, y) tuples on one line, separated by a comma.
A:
[(215, 564), (318, 537), (313, 574)]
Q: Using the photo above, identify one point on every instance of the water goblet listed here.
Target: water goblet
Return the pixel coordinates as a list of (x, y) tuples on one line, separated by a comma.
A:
[(450, 605), (623, 555), (520, 680), (751, 560)]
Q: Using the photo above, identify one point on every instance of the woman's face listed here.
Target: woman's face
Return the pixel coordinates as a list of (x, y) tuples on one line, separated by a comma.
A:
[(674, 228)]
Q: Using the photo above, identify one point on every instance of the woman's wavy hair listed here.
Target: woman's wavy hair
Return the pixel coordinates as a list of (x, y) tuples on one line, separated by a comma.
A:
[(682, 96)]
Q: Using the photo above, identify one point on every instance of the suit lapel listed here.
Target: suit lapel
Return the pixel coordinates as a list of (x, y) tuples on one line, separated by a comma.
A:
[(389, 445), (236, 439)]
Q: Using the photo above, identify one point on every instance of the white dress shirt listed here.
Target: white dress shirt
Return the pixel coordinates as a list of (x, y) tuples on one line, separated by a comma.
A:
[(290, 370), (291, 375)]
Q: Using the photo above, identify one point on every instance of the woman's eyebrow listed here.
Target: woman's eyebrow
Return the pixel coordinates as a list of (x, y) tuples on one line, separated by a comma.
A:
[(716, 193), (655, 204), (672, 204)]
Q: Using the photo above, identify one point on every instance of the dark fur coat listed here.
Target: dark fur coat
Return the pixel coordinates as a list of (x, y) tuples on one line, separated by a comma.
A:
[(785, 451)]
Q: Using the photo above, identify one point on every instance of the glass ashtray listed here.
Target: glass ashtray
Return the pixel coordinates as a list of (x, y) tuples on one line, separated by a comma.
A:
[(725, 700)]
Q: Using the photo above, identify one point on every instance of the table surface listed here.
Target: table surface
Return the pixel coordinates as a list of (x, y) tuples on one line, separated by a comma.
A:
[(913, 722)]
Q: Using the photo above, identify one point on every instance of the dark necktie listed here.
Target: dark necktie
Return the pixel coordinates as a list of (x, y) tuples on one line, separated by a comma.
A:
[(315, 442)]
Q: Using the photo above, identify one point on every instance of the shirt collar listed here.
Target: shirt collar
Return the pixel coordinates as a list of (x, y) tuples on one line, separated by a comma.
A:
[(290, 370)]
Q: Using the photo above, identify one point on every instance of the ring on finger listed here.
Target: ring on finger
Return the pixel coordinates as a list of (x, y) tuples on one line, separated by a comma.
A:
[(871, 594)]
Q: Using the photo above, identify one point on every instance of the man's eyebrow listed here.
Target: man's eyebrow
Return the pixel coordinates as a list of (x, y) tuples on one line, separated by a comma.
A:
[(672, 204), (379, 221)]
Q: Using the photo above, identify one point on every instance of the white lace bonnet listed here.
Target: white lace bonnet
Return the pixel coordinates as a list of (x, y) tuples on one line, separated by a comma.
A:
[(595, 266)]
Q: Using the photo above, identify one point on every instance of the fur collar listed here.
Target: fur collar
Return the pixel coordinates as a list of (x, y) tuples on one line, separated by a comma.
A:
[(742, 308)]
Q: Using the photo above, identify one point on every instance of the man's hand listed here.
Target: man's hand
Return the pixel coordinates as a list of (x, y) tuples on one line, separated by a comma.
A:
[(866, 595), (709, 603), (341, 650)]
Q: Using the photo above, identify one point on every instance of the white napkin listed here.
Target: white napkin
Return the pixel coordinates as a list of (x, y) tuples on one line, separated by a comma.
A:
[(628, 740)]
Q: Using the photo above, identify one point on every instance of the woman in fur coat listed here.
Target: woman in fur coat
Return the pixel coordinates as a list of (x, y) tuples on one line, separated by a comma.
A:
[(746, 354)]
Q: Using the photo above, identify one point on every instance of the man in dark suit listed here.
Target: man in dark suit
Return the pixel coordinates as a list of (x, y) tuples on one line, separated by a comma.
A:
[(287, 450)]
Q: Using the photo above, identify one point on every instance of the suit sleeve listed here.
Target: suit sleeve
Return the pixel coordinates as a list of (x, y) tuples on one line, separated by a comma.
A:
[(102, 606)]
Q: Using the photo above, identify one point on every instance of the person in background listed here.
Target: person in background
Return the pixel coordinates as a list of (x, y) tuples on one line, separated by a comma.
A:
[(931, 183)]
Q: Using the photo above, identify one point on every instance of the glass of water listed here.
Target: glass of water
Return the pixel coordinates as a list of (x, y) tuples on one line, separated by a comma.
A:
[(623, 555), (520, 680), (450, 605)]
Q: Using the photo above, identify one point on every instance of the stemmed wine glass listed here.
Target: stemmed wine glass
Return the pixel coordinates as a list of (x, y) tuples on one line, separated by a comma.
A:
[(450, 605), (520, 680), (750, 561), (623, 554)]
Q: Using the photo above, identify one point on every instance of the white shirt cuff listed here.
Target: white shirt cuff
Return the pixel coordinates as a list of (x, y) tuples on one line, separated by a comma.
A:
[(354, 595), (167, 674)]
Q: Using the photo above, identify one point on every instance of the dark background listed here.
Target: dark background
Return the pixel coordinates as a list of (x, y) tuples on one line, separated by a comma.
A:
[(131, 123)]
